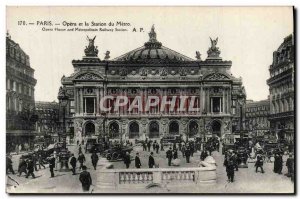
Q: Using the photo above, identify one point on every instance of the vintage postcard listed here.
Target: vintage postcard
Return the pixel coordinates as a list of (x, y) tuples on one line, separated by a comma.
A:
[(150, 100)]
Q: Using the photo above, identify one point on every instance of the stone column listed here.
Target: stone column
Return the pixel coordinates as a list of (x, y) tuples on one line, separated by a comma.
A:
[(81, 100), (97, 101)]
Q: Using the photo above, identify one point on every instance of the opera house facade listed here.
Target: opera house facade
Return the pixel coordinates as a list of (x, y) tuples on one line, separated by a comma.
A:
[(152, 91)]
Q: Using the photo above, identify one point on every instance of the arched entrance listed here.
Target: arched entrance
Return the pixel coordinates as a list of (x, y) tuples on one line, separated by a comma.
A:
[(174, 128), (216, 128), (134, 130), (113, 131), (193, 129), (89, 129), (153, 129)]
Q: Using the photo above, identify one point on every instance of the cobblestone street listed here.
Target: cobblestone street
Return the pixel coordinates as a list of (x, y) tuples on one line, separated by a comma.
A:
[(246, 180)]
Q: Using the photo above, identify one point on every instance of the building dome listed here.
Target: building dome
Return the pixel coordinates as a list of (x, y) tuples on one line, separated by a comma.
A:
[(152, 50)]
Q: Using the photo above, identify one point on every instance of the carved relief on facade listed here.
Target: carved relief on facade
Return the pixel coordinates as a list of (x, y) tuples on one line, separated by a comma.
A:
[(183, 71), (216, 76), (143, 72), (89, 91), (154, 71), (163, 72), (123, 72), (113, 72), (134, 72), (173, 72), (89, 76), (193, 71), (227, 126)]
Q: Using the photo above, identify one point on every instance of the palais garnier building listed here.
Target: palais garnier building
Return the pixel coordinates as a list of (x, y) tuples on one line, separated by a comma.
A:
[(207, 99)]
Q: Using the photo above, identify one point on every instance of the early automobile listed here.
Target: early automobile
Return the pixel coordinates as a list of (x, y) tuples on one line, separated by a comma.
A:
[(117, 152), (172, 139)]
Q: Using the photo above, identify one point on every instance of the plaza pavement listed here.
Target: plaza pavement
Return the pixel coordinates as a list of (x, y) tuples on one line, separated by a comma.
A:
[(246, 180)]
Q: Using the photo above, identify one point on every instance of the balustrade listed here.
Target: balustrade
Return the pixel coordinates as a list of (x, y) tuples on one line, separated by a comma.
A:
[(134, 178)]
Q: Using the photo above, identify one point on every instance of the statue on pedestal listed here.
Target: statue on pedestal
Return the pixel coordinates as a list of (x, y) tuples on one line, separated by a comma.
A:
[(91, 50), (213, 51)]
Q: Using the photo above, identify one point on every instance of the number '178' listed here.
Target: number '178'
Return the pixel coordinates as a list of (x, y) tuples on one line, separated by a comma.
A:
[(20, 23)]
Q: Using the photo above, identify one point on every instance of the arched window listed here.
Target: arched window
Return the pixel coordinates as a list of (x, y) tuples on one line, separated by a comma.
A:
[(216, 128), (286, 105), (134, 130), (276, 107), (272, 107), (114, 130), (153, 129), (174, 128), (193, 129), (90, 129), (291, 104)]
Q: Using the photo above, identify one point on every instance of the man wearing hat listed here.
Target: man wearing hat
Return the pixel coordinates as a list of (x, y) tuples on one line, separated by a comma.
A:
[(73, 164), (290, 165), (151, 161), (22, 166), (51, 164), (187, 154), (169, 156), (259, 163), (30, 168), (9, 164), (137, 161), (85, 179)]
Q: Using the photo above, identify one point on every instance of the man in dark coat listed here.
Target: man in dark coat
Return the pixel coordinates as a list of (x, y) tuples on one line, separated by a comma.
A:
[(229, 169), (179, 146), (144, 146), (236, 161), (137, 161), (79, 149), (290, 165), (35, 160), (94, 159), (22, 166), (127, 160), (175, 154), (151, 161), (278, 163), (30, 168), (187, 155), (73, 164), (85, 179), (259, 163), (154, 145), (174, 145), (149, 145), (192, 148), (183, 150), (51, 164), (157, 147), (81, 160), (203, 155), (9, 163), (169, 156), (40, 161)]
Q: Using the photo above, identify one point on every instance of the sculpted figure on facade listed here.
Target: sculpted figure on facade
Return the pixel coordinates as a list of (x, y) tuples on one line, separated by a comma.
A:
[(198, 56), (213, 51), (91, 50), (107, 55)]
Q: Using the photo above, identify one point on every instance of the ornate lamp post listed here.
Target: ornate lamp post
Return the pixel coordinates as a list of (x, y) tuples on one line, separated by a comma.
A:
[(242, 150), (64, 154)]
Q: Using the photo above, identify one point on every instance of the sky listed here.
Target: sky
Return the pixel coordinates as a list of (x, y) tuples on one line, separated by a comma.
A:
[(246, 35)]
